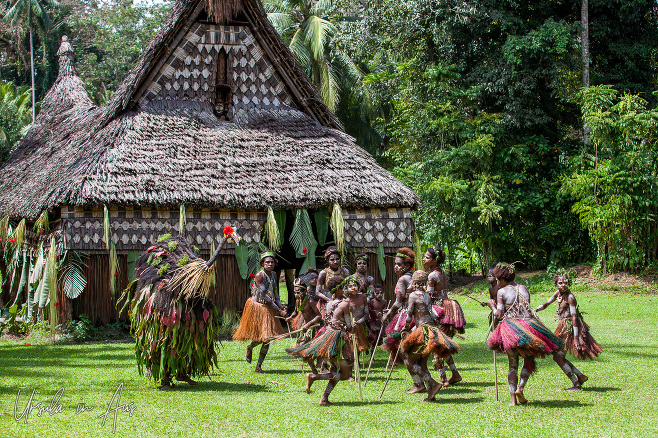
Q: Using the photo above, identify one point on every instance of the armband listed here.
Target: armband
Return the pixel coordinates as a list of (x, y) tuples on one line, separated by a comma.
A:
[(430, 289), (576, 331), (573, 309)]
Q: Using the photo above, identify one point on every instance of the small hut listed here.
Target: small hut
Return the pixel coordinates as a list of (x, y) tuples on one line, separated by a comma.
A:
[(216, 125)]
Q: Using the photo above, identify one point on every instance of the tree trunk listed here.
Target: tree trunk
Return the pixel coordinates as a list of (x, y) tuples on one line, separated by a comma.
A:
[(584, 18), (32, 74)]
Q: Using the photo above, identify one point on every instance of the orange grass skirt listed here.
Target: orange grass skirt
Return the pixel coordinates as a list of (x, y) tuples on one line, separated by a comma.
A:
[(258, 322)]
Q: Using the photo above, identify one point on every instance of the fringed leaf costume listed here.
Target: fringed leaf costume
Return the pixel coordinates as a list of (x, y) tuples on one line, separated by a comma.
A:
[(174, 327)]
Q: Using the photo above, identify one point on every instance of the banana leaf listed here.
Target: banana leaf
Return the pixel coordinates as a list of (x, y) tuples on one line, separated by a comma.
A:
[(242, 257), (322, 224), (280, 218), (132, 256), (381, 261), (24, 274)]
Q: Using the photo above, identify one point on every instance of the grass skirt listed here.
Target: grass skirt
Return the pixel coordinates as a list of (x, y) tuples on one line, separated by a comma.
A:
[(590, 348), (439, 311), (453, 320), (428, 339), (297, 322), (529, 337), (257, 323), (330, 343), (392, 332), (361, 332)]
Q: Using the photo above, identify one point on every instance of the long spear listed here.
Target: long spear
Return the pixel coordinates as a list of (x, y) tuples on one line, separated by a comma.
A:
[(390, 372), (285, 335)]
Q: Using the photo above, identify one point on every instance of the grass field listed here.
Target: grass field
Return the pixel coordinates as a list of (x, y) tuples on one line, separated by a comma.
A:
[(620, 399)]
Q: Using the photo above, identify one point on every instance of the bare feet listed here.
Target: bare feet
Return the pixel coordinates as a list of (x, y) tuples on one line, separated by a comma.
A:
[(434, 387), (582, 379), (456, 377), (309, 382), (324, 401), (247, 356), (416, 389), (512, 400), (575, 388), (259, 369), (444, 381), (520, 396)]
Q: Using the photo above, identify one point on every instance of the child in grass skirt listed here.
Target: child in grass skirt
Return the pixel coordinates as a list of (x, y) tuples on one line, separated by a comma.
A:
[(332, 343), (520, 332), (448, 312), (425, 340), (573, 331)]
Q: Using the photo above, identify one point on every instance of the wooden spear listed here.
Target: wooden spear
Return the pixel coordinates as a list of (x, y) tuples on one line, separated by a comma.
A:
[(391, 371), (372, 357)]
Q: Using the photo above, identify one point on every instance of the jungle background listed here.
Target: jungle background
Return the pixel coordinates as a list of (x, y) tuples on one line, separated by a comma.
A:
[(527, 128)]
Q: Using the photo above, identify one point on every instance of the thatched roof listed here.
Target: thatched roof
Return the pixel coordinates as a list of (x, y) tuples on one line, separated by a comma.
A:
[(139, 150)]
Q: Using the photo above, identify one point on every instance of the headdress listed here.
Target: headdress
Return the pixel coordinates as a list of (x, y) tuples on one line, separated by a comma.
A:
[(418, 279), (361, 256), (329, 251), (266, 254), (299, 282)]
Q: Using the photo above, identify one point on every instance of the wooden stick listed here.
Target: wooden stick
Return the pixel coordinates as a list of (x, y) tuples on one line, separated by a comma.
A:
[(372, 357), (496, 375), (357, 375), (285, 335), (468, 296), (493, 321), (390, 372)]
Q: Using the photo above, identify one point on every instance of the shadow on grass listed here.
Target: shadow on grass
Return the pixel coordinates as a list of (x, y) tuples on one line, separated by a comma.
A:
[(219, 387), (600, 389), (558, 403), (459, 401), (620, 349), (364, 403)]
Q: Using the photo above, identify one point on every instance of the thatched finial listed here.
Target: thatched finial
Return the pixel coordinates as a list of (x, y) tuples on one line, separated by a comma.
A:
[(65, 53), (222, 11)]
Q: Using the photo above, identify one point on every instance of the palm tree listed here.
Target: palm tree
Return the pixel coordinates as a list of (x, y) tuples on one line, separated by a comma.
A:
[(31, 9), (14, 116), (306, 28)]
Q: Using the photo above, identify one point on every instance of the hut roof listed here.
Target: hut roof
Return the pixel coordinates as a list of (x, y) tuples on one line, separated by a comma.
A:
[(143, 149)]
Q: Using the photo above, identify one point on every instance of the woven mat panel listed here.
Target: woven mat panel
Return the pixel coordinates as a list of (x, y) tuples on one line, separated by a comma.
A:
[(189, 73), (140, 228), (371, 227)]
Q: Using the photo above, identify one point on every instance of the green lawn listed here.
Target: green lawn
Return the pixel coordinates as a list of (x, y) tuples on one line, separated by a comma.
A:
[(619, 400)]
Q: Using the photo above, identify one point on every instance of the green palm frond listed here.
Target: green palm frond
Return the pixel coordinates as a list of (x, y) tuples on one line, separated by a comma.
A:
[(318, 32), (18, 235), (300, 49), (24, 276), (114, 266), (72, 275), (182, 220), (281, 21), (321, 7), (242, 257), (418, 250), (4, 230), (301, 236), (337, 225), (213, 275), (106, 227), (272, 230), (41, 224)]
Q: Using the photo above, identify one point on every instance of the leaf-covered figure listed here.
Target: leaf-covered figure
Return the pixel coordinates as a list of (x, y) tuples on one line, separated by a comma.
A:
[(172, 320)]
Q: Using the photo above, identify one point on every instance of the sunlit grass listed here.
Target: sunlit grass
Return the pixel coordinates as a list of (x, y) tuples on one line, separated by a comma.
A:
[(619, 400)]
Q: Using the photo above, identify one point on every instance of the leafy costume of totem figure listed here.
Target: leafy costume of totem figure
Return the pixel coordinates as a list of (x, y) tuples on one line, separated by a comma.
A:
[(172, 319)]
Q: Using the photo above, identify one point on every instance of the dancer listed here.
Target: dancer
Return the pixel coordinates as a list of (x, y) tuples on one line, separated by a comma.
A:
[(258, 320), (573, 331), (520, 332), (361, 264), (452, 318), (332, 257), (404, 262), (306, 313), (332, 343), (358, 303), (376, 307), (426, 338), (170, 313)]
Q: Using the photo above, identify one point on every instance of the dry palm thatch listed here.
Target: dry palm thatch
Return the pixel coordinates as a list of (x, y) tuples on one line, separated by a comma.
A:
[(138, 152)]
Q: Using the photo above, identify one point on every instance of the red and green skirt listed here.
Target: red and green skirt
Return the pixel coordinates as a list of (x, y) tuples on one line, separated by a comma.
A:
[(428, 339)]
